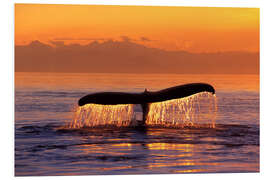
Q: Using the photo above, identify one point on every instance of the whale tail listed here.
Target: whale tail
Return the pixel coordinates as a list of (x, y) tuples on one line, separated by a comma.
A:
[(145, 98)]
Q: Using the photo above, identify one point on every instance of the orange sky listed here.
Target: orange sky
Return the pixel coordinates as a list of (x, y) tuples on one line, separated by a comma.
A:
[(193, 29)]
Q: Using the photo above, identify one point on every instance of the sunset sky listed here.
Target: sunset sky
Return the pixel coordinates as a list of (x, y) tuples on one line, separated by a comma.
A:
[(195, 29), (190, 29)]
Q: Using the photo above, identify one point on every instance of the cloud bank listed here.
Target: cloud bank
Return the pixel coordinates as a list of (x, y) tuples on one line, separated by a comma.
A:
[(128, 57)]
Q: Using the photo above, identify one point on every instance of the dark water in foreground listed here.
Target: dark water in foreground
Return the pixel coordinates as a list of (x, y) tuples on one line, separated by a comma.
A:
[(43, 147)]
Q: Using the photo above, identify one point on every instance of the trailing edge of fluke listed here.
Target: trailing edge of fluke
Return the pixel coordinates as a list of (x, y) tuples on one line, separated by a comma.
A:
[(176, 92)]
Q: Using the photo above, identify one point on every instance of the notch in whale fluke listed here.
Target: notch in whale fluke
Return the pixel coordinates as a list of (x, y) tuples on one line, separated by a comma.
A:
[(113, 98)]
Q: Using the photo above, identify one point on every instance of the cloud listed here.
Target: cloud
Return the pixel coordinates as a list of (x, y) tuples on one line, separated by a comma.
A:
[(58, 43), (126, 38), (145, 39), (123, 38), (128, 57), (79, 39)]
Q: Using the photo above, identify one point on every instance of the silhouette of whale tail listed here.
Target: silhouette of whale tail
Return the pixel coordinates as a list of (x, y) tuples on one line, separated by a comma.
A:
[(176, 92)]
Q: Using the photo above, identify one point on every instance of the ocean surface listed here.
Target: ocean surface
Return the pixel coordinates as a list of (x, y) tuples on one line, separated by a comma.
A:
[(44, 104)]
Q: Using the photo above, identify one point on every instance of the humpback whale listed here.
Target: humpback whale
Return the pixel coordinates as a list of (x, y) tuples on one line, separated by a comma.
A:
[(146, 97)]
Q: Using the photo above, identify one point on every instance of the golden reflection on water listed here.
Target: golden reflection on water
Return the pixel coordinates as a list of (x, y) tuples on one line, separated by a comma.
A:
[(170, 157), (183, 150), (138, 82), (183, 154), (115, 168), (89, 149), (162, 150), (123, 145), (170, 146)]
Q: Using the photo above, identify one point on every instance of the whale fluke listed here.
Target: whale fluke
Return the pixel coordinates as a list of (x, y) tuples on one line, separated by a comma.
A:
[(146, 97)]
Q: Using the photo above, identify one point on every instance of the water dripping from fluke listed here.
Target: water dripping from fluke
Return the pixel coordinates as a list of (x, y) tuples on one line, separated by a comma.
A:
[(198, 110), (190, 105), (96, 115)]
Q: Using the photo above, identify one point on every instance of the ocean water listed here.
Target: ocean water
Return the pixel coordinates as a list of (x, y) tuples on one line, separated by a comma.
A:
[(44, 103)]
